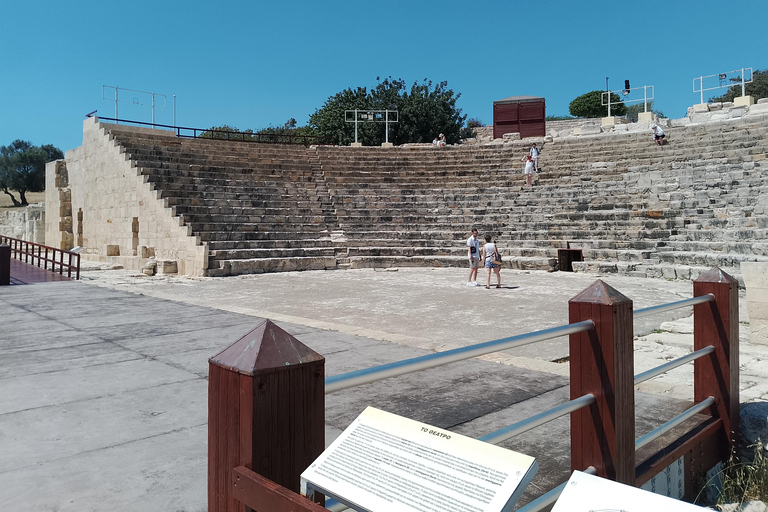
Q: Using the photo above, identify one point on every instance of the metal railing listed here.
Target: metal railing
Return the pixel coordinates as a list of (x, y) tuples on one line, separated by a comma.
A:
[(384, 371), (233, 136), (43, 256), (376, 373)]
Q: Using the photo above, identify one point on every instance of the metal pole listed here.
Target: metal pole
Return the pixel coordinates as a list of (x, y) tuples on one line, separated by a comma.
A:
[(609, 96), (645, 98), (701, 88), (742, 83), (116, 93), (386, 126), (355, 126), (174, 110), (153, 110)]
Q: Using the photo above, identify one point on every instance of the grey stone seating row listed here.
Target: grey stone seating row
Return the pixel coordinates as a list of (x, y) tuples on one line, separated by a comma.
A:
[(707, 258), (720, 235), (210, 222), (253, 214), (313, 239), (234, 186), (265, 223), (255, 205), (226, 201), (749, 247), (235, 148), (272, 252), (213, 178), (254, 236), (259, 265), (153, 160)]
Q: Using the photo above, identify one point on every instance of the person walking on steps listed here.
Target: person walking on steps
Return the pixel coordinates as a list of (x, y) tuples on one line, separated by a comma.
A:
[(490, 253), (473, 252), (528, 170), (535, 152)]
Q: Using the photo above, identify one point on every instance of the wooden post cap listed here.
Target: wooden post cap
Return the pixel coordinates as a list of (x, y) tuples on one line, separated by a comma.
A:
[(266, 348), (600, 293), (715, 275)]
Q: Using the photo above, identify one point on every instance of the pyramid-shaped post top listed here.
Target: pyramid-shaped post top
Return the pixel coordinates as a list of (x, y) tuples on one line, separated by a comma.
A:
[(265, 348), (715, 275), (600, 293)]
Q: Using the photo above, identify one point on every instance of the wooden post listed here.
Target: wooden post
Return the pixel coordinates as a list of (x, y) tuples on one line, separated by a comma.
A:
[(266, 411), (602, 363), (716, 323), (5, 264)]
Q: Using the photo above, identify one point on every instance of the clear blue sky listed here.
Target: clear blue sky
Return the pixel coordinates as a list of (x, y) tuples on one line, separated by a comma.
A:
[(255, 64)]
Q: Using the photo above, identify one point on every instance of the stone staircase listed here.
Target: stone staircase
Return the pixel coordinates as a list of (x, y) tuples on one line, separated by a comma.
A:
[(631, 206)]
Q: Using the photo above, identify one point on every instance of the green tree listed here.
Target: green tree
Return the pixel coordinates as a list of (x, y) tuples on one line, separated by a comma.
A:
[(226, 132), (22, 168), (589, 105), (424, 110), (634, 110), (758, 88)]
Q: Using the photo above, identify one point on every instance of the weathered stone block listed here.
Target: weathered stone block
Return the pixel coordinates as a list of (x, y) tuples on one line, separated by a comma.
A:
[(168, 266), (113, 250), (755, 275)]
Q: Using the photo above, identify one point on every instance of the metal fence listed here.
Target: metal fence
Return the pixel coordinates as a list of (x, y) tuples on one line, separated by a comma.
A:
[(44, 256), (602, 385), (228, 135)]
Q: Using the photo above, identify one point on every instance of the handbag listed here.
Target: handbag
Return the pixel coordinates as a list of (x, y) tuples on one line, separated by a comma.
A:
[(496, 258)]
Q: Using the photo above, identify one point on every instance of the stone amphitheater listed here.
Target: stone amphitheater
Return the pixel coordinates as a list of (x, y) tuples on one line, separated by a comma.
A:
[(141, 197)]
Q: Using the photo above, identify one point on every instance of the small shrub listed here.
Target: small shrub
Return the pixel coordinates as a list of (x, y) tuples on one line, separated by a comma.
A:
[(743, 480)]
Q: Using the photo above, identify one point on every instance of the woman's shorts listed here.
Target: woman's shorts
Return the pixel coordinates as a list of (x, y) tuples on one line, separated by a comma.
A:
[(490, 264)]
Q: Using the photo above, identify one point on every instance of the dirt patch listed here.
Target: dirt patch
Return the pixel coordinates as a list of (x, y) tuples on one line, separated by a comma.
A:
[(32, 198)]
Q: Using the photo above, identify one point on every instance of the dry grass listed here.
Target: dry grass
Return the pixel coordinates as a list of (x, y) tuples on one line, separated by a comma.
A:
[(32, 198)]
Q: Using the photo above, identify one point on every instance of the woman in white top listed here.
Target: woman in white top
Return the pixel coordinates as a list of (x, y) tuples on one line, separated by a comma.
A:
[(489, 255), (528, 171)]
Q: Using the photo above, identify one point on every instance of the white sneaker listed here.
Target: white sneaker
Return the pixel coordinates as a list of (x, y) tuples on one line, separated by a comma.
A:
[(471, 284), (475, 283)]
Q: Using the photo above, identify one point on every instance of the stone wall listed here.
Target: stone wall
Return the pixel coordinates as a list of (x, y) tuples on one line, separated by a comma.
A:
[(24, 223), (104, 205)]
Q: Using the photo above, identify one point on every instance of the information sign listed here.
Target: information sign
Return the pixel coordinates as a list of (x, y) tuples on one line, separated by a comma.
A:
[(384, 462), (589, 493)]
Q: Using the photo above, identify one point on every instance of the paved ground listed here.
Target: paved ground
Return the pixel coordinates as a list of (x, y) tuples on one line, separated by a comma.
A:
[(103, 390)]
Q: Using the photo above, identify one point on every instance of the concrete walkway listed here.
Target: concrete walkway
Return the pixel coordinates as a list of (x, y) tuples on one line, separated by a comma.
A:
[(103, 389)]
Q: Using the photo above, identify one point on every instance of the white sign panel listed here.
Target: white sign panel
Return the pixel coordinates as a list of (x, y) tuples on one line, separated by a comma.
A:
[(589, 493), (383, 462)]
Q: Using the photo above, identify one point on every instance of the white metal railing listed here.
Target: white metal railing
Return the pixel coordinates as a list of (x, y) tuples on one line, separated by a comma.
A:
[(723, 77)]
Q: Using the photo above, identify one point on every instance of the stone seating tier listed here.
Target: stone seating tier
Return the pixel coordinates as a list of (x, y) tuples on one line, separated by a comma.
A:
[(625, 199)]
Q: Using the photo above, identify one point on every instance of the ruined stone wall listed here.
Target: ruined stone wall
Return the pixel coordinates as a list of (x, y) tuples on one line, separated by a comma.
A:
[(24, 223), (99, 201)]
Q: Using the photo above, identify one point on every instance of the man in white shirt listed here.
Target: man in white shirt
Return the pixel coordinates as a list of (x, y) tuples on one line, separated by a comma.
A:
[(473, 252), (534, 152), (658, 134)]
